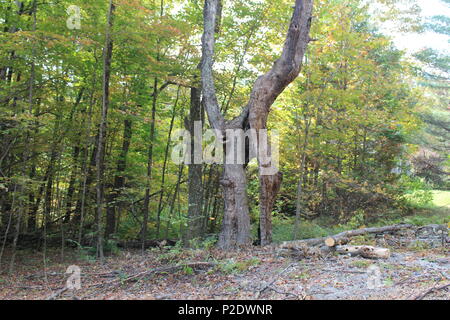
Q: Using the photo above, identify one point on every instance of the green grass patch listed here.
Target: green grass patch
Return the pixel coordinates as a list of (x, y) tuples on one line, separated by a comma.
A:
[(363, 264), (232, 267), (436, 211), (441, 198)]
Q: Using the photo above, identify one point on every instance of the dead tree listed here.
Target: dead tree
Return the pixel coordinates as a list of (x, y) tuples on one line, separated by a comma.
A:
[(236, 222)]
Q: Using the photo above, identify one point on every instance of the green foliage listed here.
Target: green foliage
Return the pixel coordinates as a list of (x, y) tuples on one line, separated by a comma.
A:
[(283, 229), (188, 270), (352, 114), (416, 192), (231, 266), (363, 264), (86, 253), (418, 245), (111, 247), (356, 221), (426, 219), (173, 254), (209, 242)]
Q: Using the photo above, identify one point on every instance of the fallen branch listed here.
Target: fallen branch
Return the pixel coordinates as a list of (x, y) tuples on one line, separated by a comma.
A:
[(424, 294), (57, 293), (26, 287), (340, 238), (175, 268), (267, 286), (345, 271), (297, 297)]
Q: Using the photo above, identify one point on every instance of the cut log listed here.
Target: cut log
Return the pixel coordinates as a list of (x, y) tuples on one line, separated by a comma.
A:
[(330, 242), (343, 236), (365, 251)]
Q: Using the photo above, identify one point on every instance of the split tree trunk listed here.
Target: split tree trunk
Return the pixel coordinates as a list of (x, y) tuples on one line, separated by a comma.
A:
[(266, 90), (236, 221)]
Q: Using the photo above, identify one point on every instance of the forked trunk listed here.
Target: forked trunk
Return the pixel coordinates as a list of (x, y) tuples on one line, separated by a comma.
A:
[(236, 221)]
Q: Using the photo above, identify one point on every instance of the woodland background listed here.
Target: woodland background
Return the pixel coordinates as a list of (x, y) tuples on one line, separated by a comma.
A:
[(364, 128)]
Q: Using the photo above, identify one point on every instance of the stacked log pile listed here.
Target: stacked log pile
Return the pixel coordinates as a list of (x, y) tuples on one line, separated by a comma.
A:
[(402, 235)]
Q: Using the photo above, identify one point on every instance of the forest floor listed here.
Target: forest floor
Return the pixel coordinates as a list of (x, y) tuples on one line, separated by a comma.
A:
[(253, 273)]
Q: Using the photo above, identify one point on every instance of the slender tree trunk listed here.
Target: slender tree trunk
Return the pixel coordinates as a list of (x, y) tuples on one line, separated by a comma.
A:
[(195, 183), (22, 188), (107, 57), (8, 223), (166, 153), (174, 197), (75, 168), (85, 190), (71, 188), (150, 151), (86, 166), (300, 180), (119, 179), (211, 185), (149, 167)]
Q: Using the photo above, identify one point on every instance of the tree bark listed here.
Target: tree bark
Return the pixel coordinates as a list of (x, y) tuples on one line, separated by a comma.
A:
[(236, 220)]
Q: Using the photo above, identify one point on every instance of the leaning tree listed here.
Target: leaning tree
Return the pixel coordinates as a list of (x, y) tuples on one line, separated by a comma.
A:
[(236, 221)]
